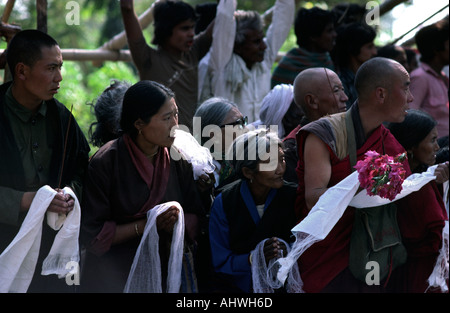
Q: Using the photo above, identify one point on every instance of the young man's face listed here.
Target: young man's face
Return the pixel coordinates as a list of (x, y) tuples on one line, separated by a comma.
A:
[(182, 37), (327, 39), (41, 80), (366, 52)]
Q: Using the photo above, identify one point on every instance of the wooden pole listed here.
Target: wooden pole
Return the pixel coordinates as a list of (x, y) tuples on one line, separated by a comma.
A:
[(41, 7), (7, 11), (8, 31), (431, 16), (99, 55), (96, 55)]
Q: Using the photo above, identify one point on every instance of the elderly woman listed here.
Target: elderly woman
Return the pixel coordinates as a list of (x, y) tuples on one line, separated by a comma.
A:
[(219, 121), (258, 206), (126, 178)]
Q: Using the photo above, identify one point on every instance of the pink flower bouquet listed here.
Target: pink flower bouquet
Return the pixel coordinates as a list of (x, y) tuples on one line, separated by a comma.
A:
[(381, 175)]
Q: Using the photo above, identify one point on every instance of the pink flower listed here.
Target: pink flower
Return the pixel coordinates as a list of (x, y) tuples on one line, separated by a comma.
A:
[(381, 175)]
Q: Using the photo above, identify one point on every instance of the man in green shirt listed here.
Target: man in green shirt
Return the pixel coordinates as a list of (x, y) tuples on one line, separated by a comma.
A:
[(41, 143)]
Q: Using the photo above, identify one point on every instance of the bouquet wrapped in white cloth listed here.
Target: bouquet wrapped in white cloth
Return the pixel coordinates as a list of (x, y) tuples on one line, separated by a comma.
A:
[(329, 209)]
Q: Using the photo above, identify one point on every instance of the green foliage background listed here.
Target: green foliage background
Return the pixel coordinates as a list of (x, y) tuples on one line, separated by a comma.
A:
[(100, 20)]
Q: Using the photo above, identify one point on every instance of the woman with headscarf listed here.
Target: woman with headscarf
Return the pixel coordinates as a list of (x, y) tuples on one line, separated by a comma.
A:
[(274, 107)]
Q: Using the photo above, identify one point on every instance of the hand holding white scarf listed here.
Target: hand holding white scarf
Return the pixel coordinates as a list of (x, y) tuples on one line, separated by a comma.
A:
[(18, 260)]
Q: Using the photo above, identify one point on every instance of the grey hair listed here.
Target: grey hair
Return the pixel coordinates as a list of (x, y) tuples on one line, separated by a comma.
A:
[(246, 20), (213, 112), (251, 148)]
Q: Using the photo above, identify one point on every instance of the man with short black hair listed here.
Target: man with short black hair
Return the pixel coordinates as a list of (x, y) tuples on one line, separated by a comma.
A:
[(41, 143)]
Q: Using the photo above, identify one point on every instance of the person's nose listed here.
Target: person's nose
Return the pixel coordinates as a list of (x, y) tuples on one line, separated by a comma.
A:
[(281, 168), (436, 146), (58, 76), (410, 97), (343, 97)]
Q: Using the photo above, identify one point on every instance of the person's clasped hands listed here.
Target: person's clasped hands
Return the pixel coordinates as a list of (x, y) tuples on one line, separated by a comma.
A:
[(274, 248), (62, 203), (166, 220)]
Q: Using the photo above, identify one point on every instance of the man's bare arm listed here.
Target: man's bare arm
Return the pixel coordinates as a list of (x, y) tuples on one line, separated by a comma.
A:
[(317, 169), (133, 30)]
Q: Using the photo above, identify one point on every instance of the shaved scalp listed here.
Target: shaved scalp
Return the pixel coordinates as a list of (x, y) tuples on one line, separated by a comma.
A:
[(374, 73), (309, 81)]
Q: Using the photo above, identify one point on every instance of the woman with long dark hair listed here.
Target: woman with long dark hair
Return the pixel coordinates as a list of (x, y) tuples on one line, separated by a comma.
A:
[(126, 178)]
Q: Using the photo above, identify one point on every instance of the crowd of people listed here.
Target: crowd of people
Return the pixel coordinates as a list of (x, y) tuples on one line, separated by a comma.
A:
[(277, 136)]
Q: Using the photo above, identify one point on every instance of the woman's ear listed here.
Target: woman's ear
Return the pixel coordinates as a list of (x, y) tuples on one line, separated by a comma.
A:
[(138, 124), (248, 173)]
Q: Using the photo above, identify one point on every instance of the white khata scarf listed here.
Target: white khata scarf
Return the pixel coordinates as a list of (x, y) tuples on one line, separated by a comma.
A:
[(264, 276), (18, 260), (145, 273)]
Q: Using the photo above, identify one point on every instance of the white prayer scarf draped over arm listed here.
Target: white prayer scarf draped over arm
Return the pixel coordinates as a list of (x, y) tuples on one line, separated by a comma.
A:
[(330, 207), (145, 273), (18, 260)]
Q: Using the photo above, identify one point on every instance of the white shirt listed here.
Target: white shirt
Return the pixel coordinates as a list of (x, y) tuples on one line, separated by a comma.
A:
[(227, 74)]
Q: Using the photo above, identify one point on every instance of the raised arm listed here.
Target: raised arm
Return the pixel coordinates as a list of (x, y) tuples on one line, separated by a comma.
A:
[(223, 43), (133, 30), (282, 21), (223, 34), (317, 169)]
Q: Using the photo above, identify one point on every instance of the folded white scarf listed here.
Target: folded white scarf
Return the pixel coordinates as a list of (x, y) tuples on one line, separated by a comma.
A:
[(145, 273), (18, 260)]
